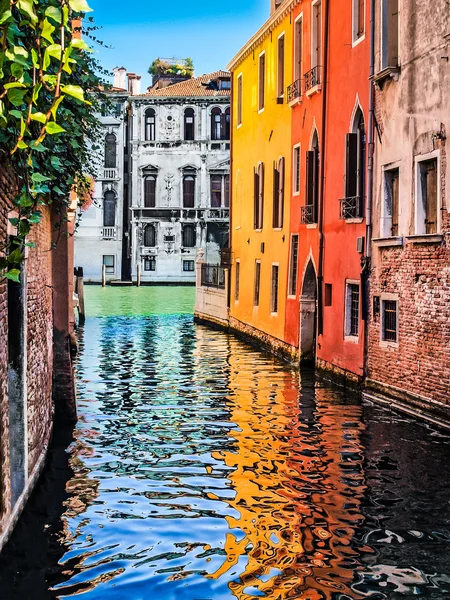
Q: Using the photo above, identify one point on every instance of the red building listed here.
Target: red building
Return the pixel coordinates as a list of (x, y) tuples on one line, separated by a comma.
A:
[(305, 96), (340, 344)]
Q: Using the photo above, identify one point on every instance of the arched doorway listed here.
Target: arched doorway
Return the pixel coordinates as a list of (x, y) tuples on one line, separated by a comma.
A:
[(308, 315)]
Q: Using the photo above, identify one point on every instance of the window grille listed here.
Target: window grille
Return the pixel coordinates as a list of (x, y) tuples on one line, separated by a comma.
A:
[(274, 295), (293, 267), (389, 321), (257, 283)]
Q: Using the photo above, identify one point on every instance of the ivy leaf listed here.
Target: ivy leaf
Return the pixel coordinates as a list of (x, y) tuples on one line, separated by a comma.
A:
[(24, 227), (3, 263), (17, 55), (75, 91), (14, 221), (26, 7), (15, 257), (38, 146), (38, 116), (14, 84), (14, 275), (55, 106), (80, 6), (56, 163), (25, 201), (17, 71), (39, 178), (30, 245), (5, 15), (35, 217), (80, 44), (47, 31), (53, 13), (16, 113), (52, 128), (15, 96)]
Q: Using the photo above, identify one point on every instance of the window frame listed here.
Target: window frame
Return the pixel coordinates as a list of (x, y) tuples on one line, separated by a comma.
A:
[(237, 280), (385, 219), (257, 284), (189, 262), (113, 266), (147, 178), (187, 175), (185, 123), (293, 268), (110, 197), (357, 36), (348, 298), (420, 215), (281, 65), (384, 42), (185, 228), (149, 128), (149, 226), (387, 297), (262, 81), (296, 169), (275, 290), (152, 261), (316, 52), (298, 65), (279, 175), (239, 101), (259, 184), (108, 153)]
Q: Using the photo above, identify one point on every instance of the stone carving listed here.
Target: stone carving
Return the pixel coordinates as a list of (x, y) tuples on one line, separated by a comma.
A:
[(169, 179)]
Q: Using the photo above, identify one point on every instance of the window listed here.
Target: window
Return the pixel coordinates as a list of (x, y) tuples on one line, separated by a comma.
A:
[(312, 179), (227, 117), (352, 309), (239, 100), (150, 263), (328, 301), (389, 34), (389, 321), (358, 19), (259, 196), (108, 262), (298, 50), (296, 169), (110, 151), (188, 266), (262, 81), (389, 225), (150, 192), (109, 210), (188, 191), (293, 266), (216, 124), (189, 124), (280, 72), (225, 84), (149, 236), (257, 283), (216, 191), (238, 281), (227, 191), (150, 125), (189, 237), (355, 168), (274, 294), (278, 194), (317, 36), (427, 197)]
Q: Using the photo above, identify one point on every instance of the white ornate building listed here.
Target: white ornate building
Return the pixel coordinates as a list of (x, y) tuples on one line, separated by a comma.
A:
[(164, 189)]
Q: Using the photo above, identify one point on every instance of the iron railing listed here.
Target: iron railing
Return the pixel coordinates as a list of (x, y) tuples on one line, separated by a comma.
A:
[(221, 214), (213, 276), (312, 78), (294, 91), (308, 215), (350, 208)]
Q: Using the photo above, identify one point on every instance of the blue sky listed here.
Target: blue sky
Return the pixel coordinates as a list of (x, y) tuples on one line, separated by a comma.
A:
[(141, 30)]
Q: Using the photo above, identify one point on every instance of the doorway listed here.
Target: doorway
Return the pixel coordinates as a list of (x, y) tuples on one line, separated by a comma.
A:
[(308, 315)]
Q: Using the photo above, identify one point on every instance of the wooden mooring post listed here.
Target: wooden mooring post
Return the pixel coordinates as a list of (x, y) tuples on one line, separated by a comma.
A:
[(104, 276), (79, 290), (139, 275)]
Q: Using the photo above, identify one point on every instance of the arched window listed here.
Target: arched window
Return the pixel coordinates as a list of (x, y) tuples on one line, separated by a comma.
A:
[(110, 151), (150, 192), (189, 191), (189, 237), (189, 124), (216, 124), (149, 236), (259, 196), (355, 163), (150, 125), (109, 210), (278, 193), (312, 182), (227, 123), (216, 191)]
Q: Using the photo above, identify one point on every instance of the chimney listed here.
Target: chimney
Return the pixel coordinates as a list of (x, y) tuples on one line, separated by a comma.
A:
[(274, 5), (119, 77), (134, 84)]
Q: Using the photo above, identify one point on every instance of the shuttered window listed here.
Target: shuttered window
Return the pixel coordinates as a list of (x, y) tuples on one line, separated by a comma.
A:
[(149, 236), (262, 81), (189, 124), (278, 194), (351, 165), (109, 210), (274, 294), (110, 151), (150, 192), (188, 191), (259, 197), (189, 237)]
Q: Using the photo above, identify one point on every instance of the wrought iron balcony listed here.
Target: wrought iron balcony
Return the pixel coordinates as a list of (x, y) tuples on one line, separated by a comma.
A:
[(312, 78), (294, 91), (308, 215), (351, 208)]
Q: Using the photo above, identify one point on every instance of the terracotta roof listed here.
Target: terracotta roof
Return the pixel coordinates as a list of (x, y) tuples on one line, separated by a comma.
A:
[(191, 87)]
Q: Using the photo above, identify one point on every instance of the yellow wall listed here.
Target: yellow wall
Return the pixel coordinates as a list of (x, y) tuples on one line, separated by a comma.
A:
[(262, 137)]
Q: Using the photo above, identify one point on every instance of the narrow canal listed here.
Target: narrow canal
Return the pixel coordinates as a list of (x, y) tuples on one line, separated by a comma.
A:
[(202, 469)]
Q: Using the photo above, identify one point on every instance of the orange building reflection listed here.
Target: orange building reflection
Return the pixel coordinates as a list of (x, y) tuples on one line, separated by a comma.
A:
[(299, 482)]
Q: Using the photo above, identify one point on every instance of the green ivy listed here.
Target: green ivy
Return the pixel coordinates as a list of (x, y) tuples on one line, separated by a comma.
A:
[(50, 92)]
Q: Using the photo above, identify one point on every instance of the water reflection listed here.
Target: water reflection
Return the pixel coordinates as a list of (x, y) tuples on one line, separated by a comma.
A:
[(202, 469)]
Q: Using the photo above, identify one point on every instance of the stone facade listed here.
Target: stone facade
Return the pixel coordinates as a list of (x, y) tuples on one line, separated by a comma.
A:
[(170, 184), (29, 315), (408, 354)]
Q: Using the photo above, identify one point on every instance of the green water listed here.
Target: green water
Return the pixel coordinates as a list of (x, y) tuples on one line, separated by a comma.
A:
[(145, 301)]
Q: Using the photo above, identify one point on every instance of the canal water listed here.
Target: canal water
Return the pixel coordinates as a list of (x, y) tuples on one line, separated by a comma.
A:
[(202, 469)]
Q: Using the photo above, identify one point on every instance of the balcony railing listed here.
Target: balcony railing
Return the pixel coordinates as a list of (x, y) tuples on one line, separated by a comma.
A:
[(312, 78), (218, 214), (213, 276), (351, 208), (109, 173), (308, 215), (109, 233), (294, 91)]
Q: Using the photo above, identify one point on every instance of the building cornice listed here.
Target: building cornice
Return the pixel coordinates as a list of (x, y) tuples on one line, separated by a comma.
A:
[(278, 16)]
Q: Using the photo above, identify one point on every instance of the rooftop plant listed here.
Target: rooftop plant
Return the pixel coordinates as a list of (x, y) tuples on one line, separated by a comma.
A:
[(172, 66)]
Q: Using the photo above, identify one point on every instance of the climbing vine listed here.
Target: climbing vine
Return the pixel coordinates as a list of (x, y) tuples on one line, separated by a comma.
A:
[(50, 91)]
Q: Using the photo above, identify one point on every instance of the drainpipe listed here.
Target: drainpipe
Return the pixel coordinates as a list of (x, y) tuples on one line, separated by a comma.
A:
[(322, 173), (370, 143)]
